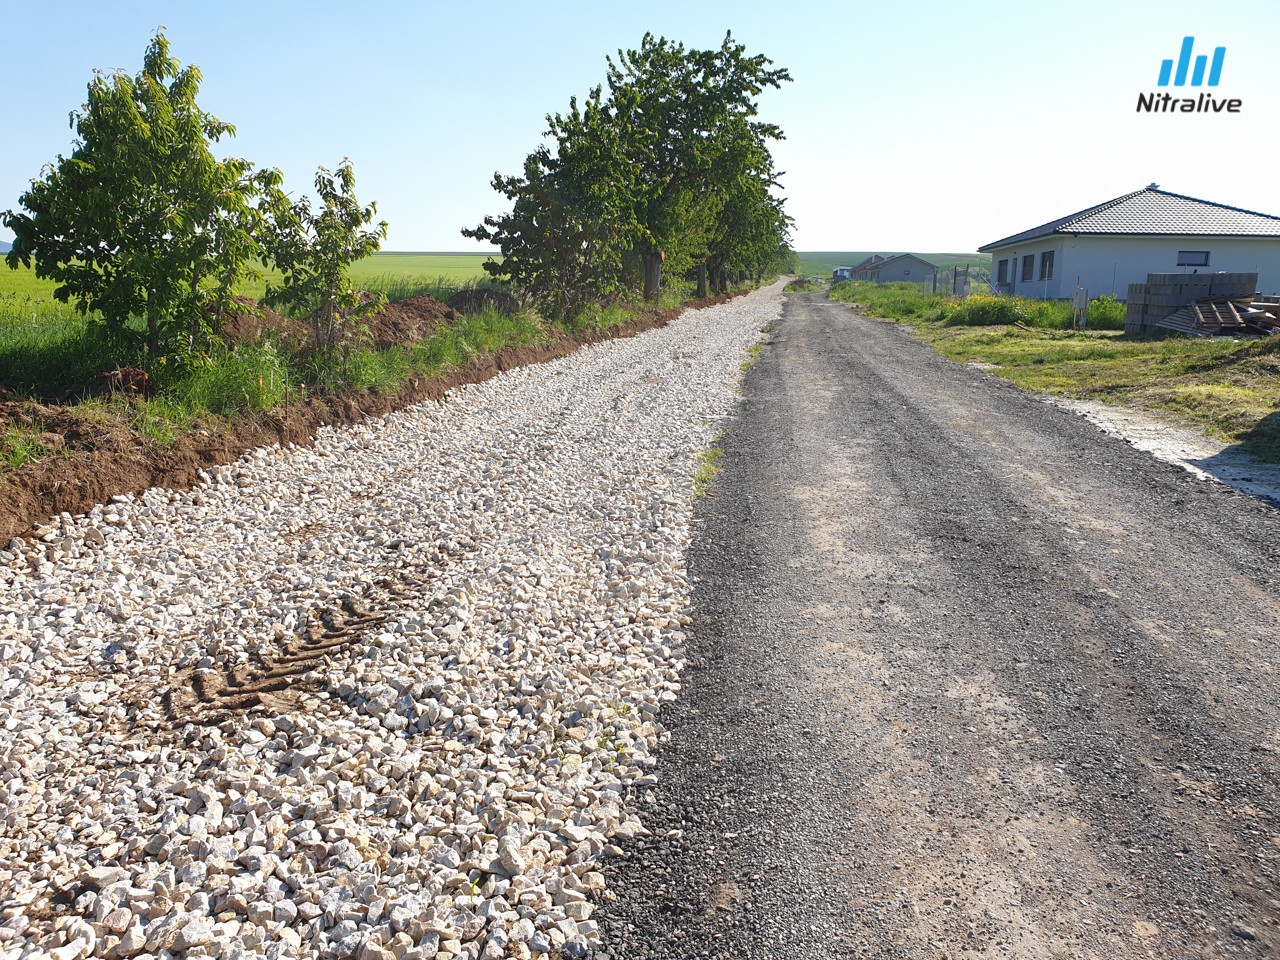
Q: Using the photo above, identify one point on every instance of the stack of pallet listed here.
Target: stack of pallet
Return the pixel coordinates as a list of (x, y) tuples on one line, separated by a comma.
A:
[(1165, 293), (1223, 316)]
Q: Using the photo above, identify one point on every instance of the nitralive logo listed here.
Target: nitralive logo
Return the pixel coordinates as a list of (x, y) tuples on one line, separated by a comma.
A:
[(1202, 102)]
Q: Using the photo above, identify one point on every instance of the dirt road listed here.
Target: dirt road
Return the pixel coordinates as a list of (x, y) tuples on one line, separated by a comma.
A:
[(967, 678)]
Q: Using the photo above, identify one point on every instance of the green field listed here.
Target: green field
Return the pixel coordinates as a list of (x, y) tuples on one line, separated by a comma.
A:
[(453, 268), (822, 263)]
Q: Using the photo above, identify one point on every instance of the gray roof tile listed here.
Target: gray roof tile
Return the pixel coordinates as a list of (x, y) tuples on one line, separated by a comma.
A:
[(1152, 212)]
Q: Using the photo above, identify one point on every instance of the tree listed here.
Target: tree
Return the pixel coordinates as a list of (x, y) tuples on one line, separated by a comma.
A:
[(561, 242), (314, 250), (141, 219), (674, 110)]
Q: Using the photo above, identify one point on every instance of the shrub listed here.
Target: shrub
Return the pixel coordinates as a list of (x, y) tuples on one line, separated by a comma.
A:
[(1105, 313), (985, 310)]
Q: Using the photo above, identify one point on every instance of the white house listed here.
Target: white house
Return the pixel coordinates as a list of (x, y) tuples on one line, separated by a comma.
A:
[(1108, 247)]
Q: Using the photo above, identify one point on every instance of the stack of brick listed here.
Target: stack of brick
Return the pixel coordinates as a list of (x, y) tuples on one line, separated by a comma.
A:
[(1166, 293)]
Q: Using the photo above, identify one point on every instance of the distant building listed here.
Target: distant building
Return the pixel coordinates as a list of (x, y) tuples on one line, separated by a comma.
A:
[(904, 267), (1107, 247)]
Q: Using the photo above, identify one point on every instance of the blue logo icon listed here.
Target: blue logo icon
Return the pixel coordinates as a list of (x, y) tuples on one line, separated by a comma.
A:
[(1197, 74)]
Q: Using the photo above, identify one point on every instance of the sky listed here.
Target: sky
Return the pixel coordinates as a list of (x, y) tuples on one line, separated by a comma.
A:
[(927, 126)]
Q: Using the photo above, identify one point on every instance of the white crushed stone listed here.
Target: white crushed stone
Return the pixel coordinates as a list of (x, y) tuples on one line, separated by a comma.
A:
[(1196, 453), (441, 782)]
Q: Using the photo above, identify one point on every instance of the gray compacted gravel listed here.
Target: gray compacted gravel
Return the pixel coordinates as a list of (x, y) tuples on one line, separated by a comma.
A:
[(966, 678)]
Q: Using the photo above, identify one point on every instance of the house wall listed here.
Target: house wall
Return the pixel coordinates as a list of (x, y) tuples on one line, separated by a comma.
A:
[(891, 271), (1052, 287), (1107, 265)]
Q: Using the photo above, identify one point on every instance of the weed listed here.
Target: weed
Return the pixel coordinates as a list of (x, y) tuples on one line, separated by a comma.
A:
[(752, 360), (20, 447), (706, 471)]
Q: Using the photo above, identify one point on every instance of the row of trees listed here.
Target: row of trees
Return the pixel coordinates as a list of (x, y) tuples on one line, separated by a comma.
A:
[(143, 221), (668, 170)]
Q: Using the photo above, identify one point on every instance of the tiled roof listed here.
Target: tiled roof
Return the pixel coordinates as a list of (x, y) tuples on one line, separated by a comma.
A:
[(1152, 212)]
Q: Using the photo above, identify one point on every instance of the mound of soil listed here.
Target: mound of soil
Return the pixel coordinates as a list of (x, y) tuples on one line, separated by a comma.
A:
[(474, 301), (100, 457), (255, 321), (406, 321)]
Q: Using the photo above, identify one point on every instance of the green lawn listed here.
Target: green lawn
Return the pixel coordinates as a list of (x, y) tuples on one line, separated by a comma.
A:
[(820, 264)]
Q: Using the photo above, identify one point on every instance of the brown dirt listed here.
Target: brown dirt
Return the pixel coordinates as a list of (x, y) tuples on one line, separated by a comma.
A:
[(407, 321), (473, 301), (100, 457), (255, 320)]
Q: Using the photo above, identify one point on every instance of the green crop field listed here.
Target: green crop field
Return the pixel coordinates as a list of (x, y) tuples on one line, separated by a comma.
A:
[(453, 268), (821, 264)]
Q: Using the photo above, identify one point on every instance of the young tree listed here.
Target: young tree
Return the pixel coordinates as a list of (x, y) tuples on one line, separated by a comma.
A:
[(314, 250), (561, 242), (141, 219)]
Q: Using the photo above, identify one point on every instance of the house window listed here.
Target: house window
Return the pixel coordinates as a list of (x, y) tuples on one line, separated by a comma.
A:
[(1046, 265), (1193, 258), (906, 273), (1028, 267), (1002, 271)]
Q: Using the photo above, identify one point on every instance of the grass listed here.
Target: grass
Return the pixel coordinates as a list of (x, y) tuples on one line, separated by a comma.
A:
[(1228, 388), (19, 447), (752, 360), (706, 471), (51, 353), (909, 301)]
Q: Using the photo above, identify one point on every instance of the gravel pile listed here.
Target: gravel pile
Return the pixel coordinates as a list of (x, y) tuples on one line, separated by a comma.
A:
[(386, 696)]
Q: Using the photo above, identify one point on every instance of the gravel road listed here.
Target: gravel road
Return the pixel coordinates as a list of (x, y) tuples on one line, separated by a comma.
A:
[(966, 678), (385, 697)]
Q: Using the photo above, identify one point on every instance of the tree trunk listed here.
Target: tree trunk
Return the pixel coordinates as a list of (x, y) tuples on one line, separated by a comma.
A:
[(702, 280), (652, 274), (722, 280), (742, 276)]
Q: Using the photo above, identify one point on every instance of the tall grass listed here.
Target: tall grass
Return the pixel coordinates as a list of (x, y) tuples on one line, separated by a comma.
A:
[(907, 301)]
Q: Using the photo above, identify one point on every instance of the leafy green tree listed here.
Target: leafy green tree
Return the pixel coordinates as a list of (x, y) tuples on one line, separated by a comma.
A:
[(677, 111), (314, 249), (561, 242), (142, 219)]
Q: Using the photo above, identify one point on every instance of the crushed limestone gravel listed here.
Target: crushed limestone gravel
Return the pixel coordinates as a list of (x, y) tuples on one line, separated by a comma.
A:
[(387, 696)]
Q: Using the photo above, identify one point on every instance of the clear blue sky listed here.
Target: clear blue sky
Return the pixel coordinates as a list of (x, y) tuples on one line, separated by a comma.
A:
[(926, 126)]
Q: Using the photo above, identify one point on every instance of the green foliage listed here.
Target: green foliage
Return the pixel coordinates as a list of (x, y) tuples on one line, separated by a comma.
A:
[(983, 310), (249, 379), (141, 219), (1105, 313), (904, 301), (314, 249), (665, 172)]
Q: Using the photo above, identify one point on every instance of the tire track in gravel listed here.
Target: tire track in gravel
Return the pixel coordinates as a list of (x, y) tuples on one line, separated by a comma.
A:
[(968, 679)]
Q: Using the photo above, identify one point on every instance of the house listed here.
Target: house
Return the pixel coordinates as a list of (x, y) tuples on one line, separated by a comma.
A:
[(904, 267), (841, 273), (861, 270), (1107, 247)]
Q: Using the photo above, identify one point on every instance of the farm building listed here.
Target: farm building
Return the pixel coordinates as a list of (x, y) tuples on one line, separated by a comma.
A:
[(901, 267), (1107, 247)]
